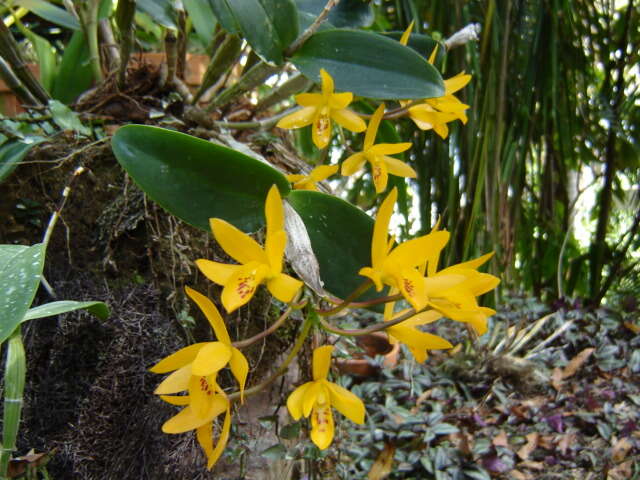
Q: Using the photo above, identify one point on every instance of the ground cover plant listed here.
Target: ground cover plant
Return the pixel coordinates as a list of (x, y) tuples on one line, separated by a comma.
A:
[(361, 240)]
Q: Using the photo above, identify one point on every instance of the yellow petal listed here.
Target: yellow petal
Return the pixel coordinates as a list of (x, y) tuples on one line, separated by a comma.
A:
[(179, 359), (399, 168), (389, 148), (222, 441), (216, 272), (273, 211), (374, 275), (176, 382), (349, 120), (237, 244), (204, 435), (347, 403), (323, 172), (327, 83), (418, 339), (438, 284), (434, 52), (453, 84), (475, 263), (211, 358), (274, 246), (186, 420), (422, 318), (338, 101), (352, 164), (380, 175), (284, 287), (321, 131), (310, 397), (176, 399), (372, 128), (298, 119), (240, 369), (212, 314), (322, 427), (415, 251), (442, 130), (411, 286), (294, 178), (322, 361), (202, 391), (295, 401), (242, 285), (404, 39), (309, 99), (380, 229)]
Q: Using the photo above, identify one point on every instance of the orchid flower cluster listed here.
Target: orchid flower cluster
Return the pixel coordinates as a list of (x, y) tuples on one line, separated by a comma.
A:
[(410, 270)]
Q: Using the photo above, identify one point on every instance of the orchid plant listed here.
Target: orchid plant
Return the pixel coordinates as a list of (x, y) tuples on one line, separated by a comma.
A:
[(341, 259)]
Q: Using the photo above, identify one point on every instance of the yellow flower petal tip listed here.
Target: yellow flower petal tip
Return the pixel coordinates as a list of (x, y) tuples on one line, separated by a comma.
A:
[(320, 109), (316, 398)]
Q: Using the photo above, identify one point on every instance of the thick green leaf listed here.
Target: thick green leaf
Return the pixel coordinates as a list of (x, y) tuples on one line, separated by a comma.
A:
[(423, 44), (98, 309), (47, 58), (224, 14), (195, 179), (340, 237), (269, 26), (66, 118), (348, 13), (203, 18), (50, 12), (7, 252), (19, 278), (394, 72), (74, 73), (11, 154), (161, 11)]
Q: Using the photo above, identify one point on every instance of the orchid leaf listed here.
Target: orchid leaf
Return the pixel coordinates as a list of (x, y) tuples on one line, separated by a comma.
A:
[(395, 72), (99, 309), (195, 179)]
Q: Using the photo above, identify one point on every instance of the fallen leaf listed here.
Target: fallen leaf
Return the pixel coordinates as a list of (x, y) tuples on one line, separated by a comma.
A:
[(633, 327), (501, 440), (576, 362), (421, 399), (382, 466), (565, 442), (532, 465), (530, 446), (556, 378), (463, 441), (620, 449), (518, 475), (621, 472)]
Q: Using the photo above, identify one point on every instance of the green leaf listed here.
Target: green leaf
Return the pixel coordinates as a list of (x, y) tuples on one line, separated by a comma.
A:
[(161, 11), (224, 14), (99, 309), (274, 452), (74, 73), (422, 44), (50, 12), (269, 26), (340, 236), (348, 13), (11, 154), (66, 118), (203, 18), (194, 179), (7, 252), (47, 58), (19, 278), (395, 72)]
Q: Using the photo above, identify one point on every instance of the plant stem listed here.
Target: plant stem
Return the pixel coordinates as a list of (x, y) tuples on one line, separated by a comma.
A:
[(224, 58), (124, 19), (365, 331), (277, 324), (366, 285), (14, 378), (254, 77), (298, 42), (88, 12), (311, 319)]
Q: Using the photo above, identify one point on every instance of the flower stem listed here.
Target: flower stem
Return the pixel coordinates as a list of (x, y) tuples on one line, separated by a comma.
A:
[(365, 331), (311, 319), (366, 285), (277, 324)]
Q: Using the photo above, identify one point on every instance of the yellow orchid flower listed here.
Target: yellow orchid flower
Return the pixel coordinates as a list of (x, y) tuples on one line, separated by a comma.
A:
[(397, 267), (419, 342), (258, 265), (308, 182), (435, 113), (195, 369), (320, 108), (377, 155), (316, 398)]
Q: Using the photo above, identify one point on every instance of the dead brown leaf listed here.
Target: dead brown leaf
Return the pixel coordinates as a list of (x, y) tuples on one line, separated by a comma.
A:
[(565, 442), (621, 472), (556, 378), (382, 466), (518, 475), (532, 465), (576, 362), (421, 399), (501, 440), (463, 441), (620, 449), (530, 446)]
